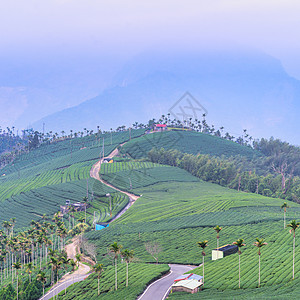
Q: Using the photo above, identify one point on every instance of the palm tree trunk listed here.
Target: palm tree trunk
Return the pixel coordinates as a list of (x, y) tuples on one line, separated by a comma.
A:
[(294, 242), (98, 286), (126, 273), (17, 287), (116, 275), (217, 247), (284, 219), (203, 267), (239, 271), (258, 270)]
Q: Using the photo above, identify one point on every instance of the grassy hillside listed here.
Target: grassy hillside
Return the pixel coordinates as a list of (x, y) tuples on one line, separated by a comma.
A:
[(177, 213), (38, 182), (187, 142), (140, 275)]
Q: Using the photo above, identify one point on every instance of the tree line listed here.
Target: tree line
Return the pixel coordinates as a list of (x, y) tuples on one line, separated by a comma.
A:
[(226, 172)]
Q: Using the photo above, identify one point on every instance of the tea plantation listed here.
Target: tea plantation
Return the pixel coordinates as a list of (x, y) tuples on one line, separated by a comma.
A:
[(177, 210), (186, 142), (39, 181)]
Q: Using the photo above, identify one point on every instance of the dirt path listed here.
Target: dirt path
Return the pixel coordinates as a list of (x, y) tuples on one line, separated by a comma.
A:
[(95, 173), (68, 279), (72, 249)]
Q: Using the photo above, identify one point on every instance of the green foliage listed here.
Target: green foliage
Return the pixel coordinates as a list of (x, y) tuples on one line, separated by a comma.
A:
[(224, 172), (188, 142), (140, 275), (41, 180)]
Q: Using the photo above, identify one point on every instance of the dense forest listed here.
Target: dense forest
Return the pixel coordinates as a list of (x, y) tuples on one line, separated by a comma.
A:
[(275, 174)]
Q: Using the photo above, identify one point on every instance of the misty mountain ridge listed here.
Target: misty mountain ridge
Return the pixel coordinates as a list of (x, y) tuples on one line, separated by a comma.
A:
[(239, 89)]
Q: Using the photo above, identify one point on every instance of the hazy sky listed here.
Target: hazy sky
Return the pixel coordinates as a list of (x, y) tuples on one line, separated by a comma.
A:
[(125, 28)]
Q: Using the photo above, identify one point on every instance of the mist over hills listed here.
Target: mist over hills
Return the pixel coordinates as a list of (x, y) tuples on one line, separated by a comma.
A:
[(239, 89)]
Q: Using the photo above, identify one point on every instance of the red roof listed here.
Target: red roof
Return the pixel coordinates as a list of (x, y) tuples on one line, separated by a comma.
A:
[(183, 277), (161, 125)]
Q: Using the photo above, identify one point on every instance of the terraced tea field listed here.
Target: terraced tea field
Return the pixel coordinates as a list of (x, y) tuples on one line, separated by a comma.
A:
[(38, 182), (177, 214), (139, 174), (140, 275), (186, 142)]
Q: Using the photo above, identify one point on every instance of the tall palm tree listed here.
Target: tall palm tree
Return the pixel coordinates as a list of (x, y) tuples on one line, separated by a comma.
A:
[(240, 244), (116, 249), (217, 229), (78, 258), (42, 278), (203, 245), (17, 266), (82, 228), (128, 256), (98, 268), (28, 270), (73, 264), (284, 206), (259, 243), (293, 225)]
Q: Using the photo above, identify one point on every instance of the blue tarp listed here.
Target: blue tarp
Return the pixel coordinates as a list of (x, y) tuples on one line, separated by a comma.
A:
[(101, 226)]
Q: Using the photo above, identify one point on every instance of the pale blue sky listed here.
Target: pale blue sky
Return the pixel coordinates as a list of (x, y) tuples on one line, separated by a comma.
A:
[(127, 27), (68, 51)]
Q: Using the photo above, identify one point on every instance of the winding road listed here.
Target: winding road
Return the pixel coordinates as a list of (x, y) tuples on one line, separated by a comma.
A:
[(68, 279), (84, 271), (160, 288)]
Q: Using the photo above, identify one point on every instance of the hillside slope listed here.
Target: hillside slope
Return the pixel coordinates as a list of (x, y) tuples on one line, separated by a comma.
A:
[(178, 210), (186, 142)]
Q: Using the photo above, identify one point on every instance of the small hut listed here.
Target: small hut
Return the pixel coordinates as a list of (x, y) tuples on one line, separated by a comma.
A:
[(223, 251), (190, 283)]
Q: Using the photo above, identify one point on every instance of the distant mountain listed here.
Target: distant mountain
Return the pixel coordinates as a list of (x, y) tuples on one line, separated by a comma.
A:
[(32, 87), (239, 89)]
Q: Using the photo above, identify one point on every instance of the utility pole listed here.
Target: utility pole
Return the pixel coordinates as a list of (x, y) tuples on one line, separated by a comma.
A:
[(111, 136), (103, 148), (87, 189), (94, 222), (43, 128), (109, 195), (129, 133)]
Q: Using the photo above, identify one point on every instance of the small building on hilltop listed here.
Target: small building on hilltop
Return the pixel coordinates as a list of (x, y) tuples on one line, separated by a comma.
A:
[(160, 127), (190, 283), (223, 251)]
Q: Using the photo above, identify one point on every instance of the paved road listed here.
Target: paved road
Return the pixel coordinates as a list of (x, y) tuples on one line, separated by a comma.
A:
[(62, 285), (159, 289)]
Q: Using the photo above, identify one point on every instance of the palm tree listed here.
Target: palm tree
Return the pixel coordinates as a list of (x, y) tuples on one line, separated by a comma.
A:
[(28, 270), (128, 256), (116, 249), (259, 243), (78, 258), (42, 278), (218, 229), (284, 206), (240, 244), (294, 225), (82, 228), (98, 268), (203, 245), (17, 266), (73, 264)]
